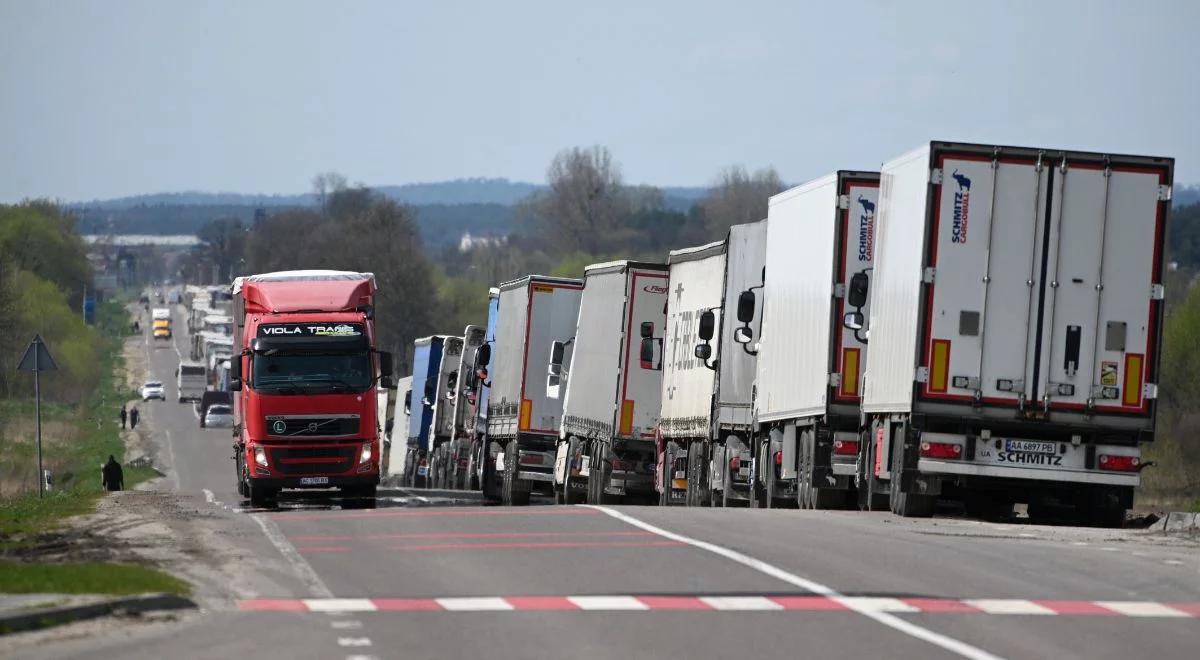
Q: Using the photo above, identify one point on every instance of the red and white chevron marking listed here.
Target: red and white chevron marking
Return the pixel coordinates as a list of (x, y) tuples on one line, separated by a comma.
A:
[(1009, 606)]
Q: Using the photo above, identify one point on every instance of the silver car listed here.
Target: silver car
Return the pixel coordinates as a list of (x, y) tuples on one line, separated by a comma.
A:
[(153, 389), (218, 416)]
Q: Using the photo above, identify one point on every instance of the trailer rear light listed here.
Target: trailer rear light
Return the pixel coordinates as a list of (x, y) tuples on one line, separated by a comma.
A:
[(618, 464), (530, 459), (1119, 463), (735, 463), (941, 450), (845, 448), (778, 458)]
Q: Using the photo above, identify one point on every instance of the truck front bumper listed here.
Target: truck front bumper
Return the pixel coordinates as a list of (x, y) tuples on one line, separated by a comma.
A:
[(307, 482)]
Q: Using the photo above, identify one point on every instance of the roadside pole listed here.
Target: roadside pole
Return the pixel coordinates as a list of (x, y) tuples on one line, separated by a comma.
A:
[(37, 359)]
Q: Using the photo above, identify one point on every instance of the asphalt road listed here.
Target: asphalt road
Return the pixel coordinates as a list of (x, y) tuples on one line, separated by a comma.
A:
[(424, 576)]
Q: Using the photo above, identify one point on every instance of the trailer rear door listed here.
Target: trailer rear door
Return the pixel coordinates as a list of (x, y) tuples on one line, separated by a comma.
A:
[(1044, 291)]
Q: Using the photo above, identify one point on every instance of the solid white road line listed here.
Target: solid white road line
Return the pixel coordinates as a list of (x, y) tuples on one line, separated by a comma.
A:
[(890, 620), (354, 641), (171, 454), (1142, 609), (289, 553)]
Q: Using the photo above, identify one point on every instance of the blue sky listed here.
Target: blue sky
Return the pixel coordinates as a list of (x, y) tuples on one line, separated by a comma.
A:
[(101, 99)]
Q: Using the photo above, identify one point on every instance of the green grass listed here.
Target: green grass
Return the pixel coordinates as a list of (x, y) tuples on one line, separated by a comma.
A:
[(86, 578), (77, 479)]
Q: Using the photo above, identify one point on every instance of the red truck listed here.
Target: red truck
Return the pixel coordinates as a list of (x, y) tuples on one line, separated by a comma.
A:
[(306, 372)]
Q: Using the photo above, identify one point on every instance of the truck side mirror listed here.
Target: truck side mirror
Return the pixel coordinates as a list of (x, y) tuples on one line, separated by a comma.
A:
[(743, 335), (703, 352), (856, 294), (853, 320), (235, 373), (557, 350), (708, 322), (484, 355), (650, 355), (745, 308), (647, 329), (385, 364)]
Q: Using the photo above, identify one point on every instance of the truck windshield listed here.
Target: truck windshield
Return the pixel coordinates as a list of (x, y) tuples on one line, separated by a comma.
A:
[(311, 372)]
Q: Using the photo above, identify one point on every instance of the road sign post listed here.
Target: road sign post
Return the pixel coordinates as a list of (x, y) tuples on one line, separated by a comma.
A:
[(37, 359)]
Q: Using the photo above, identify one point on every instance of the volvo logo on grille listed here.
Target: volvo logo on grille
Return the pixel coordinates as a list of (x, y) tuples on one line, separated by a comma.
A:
[(278, 426), (312, 427)]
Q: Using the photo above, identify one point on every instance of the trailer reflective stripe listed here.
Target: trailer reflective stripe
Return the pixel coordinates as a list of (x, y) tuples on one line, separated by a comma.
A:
[(939, 365), (1132, 394), (526, 413), (849, 384), (626, 417)]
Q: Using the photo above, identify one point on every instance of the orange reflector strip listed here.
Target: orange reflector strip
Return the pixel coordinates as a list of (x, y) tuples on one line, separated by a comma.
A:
[(849, 385), (679, 484), (626, 417), (526, 413), (1132, 394), (939, 365)]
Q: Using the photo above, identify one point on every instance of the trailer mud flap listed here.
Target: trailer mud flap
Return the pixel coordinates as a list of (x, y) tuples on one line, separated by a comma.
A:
[(822, 470)]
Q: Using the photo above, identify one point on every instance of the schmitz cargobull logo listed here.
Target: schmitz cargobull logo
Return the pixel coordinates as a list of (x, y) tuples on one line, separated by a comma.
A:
[(962, 208), (866, 230)]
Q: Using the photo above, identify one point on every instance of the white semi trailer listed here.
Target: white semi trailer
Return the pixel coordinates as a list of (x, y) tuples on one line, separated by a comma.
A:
[(697, 276), (1015, 324), (820, 250), (613, 385), (523, 419), (714, 461)]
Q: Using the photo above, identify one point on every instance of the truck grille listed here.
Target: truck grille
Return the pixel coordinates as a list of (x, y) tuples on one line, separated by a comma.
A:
[(313, 460), (312, 426)]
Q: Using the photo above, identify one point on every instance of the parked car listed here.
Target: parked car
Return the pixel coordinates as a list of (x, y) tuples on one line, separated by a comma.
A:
[(219, 416), (153, 389)]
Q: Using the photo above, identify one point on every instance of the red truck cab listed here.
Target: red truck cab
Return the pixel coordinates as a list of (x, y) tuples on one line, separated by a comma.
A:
[(306, 373)]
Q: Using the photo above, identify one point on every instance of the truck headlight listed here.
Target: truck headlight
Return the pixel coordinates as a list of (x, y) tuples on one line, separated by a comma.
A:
[(260, 456), (364, 456)]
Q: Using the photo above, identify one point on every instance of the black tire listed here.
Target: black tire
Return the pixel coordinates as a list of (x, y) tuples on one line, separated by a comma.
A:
[(907, 505), (598, 474), (258, 495), (512, 493), (697, 463), (571, 495), (728, 480), (488, 485), (1102, 507)]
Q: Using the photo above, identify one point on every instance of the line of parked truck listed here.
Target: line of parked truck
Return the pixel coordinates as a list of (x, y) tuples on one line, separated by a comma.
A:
[(971, 323)]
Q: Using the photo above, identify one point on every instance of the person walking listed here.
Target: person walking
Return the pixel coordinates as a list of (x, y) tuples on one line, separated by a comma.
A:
[(134, 416), (123, 415), (112, 477)]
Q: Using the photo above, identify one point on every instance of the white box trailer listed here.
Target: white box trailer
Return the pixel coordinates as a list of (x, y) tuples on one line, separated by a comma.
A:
[(710, 479), (613, 388), (1015, 328), (820, 244), (523, 421), (454, 457), (697, 278)]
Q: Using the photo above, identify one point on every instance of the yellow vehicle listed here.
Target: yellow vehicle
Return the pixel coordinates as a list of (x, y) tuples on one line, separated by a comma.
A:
[(162, 329)]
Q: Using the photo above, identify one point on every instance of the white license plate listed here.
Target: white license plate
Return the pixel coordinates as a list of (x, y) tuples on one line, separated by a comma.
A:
[(314, 481), (422, 470), (1031, 446)]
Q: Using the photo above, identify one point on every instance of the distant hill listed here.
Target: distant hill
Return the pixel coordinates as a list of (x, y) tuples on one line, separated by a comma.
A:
[(1183, 195)]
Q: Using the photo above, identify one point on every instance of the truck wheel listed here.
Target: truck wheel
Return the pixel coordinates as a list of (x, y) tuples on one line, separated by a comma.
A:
[(512, 494), (571, 495), (695, 485), (488, 479), (598, 475), (907, 505), (1101, 507), (258, 495)]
